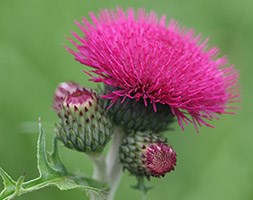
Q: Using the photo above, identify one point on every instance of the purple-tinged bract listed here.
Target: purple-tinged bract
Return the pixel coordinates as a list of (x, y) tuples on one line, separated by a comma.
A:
[(63, 89), (79, 98), (143, 58)]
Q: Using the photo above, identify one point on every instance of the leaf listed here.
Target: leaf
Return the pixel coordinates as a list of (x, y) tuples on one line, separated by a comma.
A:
[(9, 183), (52, 173), (45, 168), (55, 159)]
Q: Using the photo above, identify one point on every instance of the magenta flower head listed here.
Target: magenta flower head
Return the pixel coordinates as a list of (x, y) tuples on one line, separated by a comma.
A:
[(159, 159), (144, 59)]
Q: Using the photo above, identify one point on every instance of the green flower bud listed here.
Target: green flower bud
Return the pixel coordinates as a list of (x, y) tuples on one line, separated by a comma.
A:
[(146, 154), (83, 124)]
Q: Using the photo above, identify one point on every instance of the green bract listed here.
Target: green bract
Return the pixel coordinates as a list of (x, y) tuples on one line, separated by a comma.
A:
[(134, 115), (133, 146), (83, 124)]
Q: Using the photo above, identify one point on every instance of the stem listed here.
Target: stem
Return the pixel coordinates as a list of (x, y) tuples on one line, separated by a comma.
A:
[(99, 169), (144, 196), (114, 168), (109, 170)]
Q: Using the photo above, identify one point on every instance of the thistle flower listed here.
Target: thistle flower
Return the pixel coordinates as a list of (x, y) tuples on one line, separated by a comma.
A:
[(83, 125), (147, 154), (144, 59)]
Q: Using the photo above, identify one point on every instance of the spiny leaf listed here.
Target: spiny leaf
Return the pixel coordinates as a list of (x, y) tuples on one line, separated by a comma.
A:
[(11, 188), (55, 159), (7, 180), (18, 189), (43, 165), (52, 173), (9, 183)]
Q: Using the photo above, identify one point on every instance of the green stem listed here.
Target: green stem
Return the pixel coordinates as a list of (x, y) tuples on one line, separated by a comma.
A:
[(114, 168), (109, 169), (99, 169), (144, 196)]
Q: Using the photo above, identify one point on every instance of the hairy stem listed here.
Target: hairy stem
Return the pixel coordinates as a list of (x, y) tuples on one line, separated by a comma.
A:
[(99, 169), (108, 170), (114, 168)]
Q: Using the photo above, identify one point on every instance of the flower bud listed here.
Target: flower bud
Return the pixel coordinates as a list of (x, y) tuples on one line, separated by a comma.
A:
[(62, 90), (83, 124), (147, 154), (138, 115)]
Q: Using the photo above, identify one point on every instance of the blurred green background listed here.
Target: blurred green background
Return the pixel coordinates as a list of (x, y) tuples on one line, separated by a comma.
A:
[(214, 164)]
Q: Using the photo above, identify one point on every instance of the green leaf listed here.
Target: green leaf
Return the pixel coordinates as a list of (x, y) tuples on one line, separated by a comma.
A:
[(9, 183), (52, 173), (55, 159), (45, 168)]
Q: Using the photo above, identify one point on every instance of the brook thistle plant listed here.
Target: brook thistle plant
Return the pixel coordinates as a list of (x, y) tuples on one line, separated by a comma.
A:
[(153, 73)]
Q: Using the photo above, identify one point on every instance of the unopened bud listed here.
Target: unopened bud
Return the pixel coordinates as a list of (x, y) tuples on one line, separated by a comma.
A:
[(62, 90), (147, 154), (83, 124)]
